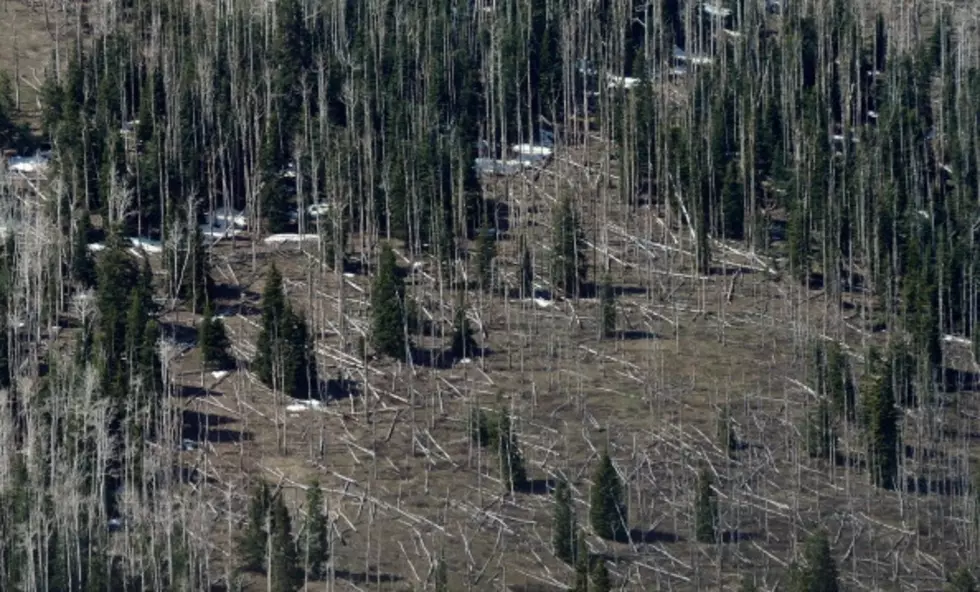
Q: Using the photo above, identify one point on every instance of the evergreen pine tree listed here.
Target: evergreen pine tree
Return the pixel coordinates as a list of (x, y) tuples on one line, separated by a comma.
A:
[(607, 511), (564, 524), (798, 235), (726, 434), (705, 510), (315, 547), (253, 540), (608, 304), (82, 264), (388, 308), (880, 420), (583, 565), (486, 252), (819, 571), (214, 340), (441, 574), (600, 577), (463, 345), (512, 470), (962, 581), (285, 574), (569, 264), (284, 349), (820, 433), (840, 383), (527, 271)]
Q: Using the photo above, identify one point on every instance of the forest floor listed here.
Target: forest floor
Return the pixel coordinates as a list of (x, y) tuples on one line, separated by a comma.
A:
[(31, 33), (405, 484)]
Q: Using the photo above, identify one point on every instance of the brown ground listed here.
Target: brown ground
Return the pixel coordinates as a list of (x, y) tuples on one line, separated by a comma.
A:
[(652, 397)]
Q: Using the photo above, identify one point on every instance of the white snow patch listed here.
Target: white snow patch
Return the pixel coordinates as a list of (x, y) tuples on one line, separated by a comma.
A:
[(622, 82), (304, 405), (701, 60), (318, 209), (289, 237), (96, 247), (219, 374), (150, 246), (348, 274), (465, 361), (532, 149), (225, 217), (542, 303), (955, 339)]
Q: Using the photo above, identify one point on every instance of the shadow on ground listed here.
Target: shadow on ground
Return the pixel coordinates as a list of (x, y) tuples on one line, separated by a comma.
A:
[(203, 427)]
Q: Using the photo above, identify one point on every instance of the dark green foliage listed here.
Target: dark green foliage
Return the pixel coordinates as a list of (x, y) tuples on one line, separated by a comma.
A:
[(82, 265), (512, 470), (214, 341), (583, 565), (569, 263), (962, 581), (483, 431), (117, 278), (441, 575), (600, 577), (285, 572), (818, 572), (705, 510), (486, 252), (820, 433), (314, 543), (748, 585), (188, 268), (527, 271), (880, 419), (284, 349), (608, 303), (840, 383), (726, 432), (798, 234), (253, 540), (608, 512), (388, 308), (463, 345), (564, 538)]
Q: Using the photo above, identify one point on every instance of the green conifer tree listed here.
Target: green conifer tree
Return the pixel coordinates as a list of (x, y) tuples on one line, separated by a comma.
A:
[(726, 432), (820, 434), (486, 252), (284, 349), (82, 264), (388, 308), (962, 581), (253, 541), (608, 512), (569, 263), (583, 565), (441, 575), (880, 420), (463, 345), (608, 304), (214, 341), (818, 573), (285, 574), (564, 524), (600, 577), (315, 546), (527, 270), (512, 470), (705, 510)]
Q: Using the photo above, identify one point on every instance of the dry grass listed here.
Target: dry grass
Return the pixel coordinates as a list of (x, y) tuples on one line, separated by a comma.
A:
[(651, 399), (30, 31)]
